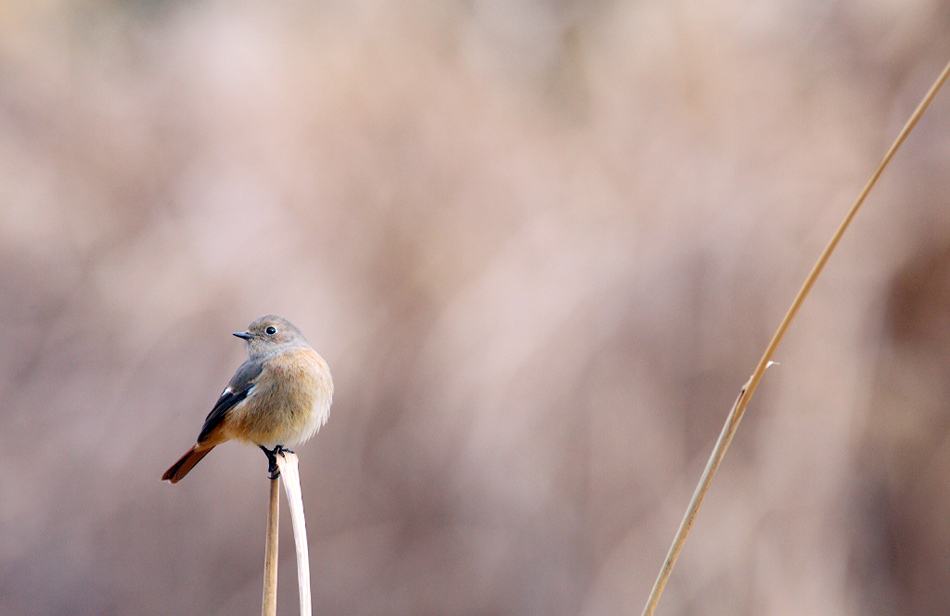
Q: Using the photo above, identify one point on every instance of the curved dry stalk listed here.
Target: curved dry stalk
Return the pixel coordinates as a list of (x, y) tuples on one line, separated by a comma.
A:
[(745, 394), (289, 471)]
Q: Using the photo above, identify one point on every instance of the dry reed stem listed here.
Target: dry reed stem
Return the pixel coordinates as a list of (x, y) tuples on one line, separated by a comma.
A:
[(269, 602), (745, 394), (287, 463)]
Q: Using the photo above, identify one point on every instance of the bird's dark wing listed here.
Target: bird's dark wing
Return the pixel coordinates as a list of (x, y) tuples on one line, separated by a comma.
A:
[(237, 390)]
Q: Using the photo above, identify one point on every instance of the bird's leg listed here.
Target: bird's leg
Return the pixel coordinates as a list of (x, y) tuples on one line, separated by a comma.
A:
[(272, 460)]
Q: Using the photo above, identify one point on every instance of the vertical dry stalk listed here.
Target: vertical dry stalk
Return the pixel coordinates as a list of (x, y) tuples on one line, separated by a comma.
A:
[(288, 466), (269, 604), (735, 415)]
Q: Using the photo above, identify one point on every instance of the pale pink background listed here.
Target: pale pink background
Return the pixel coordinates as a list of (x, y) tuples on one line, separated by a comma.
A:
[(541, 246)]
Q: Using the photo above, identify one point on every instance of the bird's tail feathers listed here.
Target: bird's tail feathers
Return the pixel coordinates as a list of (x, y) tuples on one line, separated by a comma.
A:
[(187, 462)]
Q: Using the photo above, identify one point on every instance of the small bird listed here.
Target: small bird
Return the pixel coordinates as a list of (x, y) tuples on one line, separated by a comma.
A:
[(278, 398)]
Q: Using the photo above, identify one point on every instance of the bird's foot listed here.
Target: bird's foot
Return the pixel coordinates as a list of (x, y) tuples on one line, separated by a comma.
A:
[(272, 469)]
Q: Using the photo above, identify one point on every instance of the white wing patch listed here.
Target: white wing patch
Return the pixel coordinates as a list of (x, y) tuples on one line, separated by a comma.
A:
[(228, 390)]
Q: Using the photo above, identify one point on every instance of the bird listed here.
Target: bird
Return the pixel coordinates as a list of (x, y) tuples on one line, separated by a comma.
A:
[(279, 398)]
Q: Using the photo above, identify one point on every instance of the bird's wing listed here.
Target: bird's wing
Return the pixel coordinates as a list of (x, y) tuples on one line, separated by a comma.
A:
[(237, 390)]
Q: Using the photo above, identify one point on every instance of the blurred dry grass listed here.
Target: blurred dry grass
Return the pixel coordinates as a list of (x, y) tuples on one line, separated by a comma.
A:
[(541, 246)]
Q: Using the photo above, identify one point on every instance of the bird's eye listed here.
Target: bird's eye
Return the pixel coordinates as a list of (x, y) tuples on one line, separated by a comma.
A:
[(270, 331)]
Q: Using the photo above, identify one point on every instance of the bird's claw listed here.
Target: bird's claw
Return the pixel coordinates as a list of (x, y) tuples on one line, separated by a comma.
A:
[(272, 468)]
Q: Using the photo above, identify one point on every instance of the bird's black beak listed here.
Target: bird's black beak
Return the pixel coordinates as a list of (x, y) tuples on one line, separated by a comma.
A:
[(244, 335)]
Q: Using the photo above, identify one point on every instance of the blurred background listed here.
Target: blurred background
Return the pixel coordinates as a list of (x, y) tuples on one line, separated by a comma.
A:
[(541, 246)]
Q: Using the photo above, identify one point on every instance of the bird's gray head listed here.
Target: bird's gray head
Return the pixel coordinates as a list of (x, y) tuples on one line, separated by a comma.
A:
[(269, 334)]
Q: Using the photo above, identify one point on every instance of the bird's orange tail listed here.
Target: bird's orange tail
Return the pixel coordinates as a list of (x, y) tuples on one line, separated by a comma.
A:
[(186, 463)]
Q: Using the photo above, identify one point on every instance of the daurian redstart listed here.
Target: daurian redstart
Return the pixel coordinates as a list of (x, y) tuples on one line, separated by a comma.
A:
[(278, 398)]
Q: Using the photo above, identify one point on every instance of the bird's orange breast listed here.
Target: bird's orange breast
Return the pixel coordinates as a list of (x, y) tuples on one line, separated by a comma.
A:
[(289, 403)]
